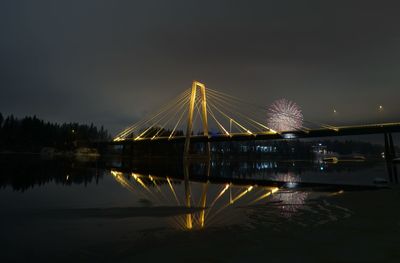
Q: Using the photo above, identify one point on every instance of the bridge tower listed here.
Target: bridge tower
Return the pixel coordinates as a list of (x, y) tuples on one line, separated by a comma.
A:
[(196, 85)]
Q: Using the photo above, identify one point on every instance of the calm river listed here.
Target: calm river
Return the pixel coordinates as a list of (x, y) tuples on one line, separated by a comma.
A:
[(203, 211)]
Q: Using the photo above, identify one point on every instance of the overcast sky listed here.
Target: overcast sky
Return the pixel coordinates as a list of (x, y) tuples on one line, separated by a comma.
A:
[(109, 62)]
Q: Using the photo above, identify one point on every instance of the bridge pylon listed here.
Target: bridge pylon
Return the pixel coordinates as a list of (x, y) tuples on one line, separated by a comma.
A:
[(196, 85)]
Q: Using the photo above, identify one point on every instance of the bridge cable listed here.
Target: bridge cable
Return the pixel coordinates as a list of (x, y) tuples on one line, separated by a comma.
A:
[(153, 115), (160, 116), (249, 120), (145, 120), (236, 100), (219, 124), (229, 118), (177, 111), (164, 115)]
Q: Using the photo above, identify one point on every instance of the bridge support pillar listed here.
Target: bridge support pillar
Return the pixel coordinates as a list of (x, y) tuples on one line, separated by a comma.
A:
[(392, 147), (189, 131), (390, 154), (126, 149), (390, 150)]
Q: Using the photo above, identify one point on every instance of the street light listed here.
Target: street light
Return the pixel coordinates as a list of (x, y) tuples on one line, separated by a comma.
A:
[(380, 113)]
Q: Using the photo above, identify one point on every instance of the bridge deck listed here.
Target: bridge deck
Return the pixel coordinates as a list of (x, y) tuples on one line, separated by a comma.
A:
[(326, 132)]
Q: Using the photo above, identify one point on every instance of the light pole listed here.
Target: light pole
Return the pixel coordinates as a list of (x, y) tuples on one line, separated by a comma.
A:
[(380, 113), (335, 113)]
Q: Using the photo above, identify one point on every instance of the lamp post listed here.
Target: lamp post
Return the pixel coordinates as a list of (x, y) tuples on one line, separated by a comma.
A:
[(380, 113)]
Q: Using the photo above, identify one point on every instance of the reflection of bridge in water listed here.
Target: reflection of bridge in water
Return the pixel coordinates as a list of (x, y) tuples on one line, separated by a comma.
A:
[(206, 209), (215, 192), (203, 186)]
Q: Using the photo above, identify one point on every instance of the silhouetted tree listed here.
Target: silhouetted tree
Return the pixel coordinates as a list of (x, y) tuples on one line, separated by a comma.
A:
[(32, 134)]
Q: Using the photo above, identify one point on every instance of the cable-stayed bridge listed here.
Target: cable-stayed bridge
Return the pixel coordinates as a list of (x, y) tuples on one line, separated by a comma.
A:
[(201, 114)]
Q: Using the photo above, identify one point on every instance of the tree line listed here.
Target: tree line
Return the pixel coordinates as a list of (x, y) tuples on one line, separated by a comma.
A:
[(31, 134)]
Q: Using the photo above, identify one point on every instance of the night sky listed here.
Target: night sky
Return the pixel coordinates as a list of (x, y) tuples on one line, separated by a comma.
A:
[(110, 62)]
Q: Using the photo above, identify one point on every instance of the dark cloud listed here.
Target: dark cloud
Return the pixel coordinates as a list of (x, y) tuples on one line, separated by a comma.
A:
[(112, 61)]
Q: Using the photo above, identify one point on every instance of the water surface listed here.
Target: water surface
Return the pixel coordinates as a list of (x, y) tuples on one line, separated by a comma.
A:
[(218, 211)]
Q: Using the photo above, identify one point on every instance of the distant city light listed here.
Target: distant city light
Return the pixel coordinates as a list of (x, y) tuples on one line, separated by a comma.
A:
[(291, 185), (289, 136), (290, 179), (284, 115)]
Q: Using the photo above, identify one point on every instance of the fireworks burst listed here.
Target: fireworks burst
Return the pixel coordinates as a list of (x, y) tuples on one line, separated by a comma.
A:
[(284, 115)]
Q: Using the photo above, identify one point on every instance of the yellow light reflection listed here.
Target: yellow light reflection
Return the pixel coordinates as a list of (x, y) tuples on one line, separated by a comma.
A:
[(122, 180), (338, 192), (219, 195), (203, 202), (270, 192), (140, 182), (173, 190), (242, 194)]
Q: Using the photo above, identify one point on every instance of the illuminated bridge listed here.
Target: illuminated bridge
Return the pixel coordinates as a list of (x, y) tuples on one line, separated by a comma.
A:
[(203, 115)]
